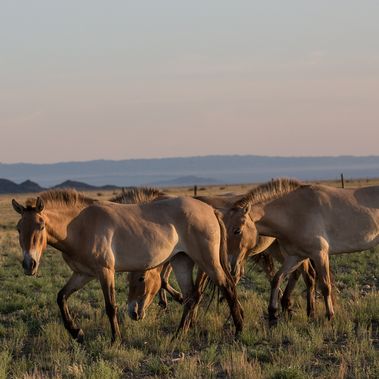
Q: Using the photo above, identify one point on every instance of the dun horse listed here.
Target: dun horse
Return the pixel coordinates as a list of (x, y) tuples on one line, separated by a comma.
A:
[(144, 286), (98, 239), (311, 221)]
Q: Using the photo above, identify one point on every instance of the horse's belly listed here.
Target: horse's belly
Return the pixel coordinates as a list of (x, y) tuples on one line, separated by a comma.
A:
[(141, 260), (144, 253), (77, 266)]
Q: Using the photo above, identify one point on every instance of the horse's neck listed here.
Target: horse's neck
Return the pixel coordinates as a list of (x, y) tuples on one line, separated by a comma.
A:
[(266, 218), (57, 223)]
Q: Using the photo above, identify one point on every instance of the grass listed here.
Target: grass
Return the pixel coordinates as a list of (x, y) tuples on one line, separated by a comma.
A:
[(34, 343)]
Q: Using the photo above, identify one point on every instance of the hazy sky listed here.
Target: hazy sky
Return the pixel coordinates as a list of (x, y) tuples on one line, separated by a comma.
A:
[(84, 80)]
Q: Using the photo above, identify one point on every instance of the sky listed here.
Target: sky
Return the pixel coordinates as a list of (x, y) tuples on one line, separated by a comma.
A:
[(88, 79)]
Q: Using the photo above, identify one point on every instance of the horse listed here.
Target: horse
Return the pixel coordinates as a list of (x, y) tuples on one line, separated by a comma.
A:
[(310, 221), (99, 238), (144, 286)]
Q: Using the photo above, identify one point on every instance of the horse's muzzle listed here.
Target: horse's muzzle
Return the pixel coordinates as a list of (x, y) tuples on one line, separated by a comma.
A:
[(134, 311), (30, 266)]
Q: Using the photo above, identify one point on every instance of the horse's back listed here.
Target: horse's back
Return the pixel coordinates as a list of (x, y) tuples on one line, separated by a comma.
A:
[(346, 219), (155, 230)]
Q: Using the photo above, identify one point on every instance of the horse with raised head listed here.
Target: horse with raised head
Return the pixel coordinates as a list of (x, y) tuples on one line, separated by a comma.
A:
[(98, 239), (310, 221)]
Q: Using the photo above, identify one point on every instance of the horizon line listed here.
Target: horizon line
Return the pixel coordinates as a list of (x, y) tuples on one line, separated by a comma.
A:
[(190, 156)]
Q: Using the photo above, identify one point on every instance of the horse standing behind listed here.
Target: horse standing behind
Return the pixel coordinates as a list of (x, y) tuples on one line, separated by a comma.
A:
[(311, 221)]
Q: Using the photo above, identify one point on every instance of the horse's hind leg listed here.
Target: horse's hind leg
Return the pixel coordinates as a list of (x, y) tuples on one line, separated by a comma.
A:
[(228, 289), (106, 277), (321, 261), (75, 283), (286, 298), (309, 277), (183, 267)]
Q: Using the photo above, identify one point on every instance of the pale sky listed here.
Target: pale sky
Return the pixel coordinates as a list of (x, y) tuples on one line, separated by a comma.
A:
[(83, 80)]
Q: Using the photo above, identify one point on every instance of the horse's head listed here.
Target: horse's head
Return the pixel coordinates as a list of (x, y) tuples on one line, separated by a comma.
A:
[(242, 237), (32, 234), (143, 286)]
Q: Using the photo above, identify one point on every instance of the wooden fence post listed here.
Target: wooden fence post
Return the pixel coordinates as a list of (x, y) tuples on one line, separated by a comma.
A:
[(195, 190), (342, 181)]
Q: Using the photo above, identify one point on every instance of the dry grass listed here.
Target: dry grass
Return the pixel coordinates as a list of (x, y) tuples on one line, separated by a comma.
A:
[(34, 343)]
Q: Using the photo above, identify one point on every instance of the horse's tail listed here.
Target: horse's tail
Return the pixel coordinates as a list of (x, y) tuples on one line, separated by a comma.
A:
[(224, 260)]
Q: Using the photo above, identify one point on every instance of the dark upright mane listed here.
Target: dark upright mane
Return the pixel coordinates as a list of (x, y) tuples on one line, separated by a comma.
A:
[(137, 195), (67, 197), (268, 191)]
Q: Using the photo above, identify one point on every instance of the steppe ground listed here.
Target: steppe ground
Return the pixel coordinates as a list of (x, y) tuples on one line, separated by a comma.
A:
[(34, 343)]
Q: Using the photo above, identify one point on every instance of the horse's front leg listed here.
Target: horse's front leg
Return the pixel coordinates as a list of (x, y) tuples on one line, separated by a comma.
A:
[(165, 276), (286, 301), (75, 283), (290, 264), (106, 277)]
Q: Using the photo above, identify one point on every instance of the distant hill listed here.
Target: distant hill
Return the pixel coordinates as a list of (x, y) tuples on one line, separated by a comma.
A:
[(223, 169), (7, 186), (80, 186), (29, 186), (185, 181)]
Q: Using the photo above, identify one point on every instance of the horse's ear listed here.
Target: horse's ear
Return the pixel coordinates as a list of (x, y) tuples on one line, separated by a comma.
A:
[(247, 208), (39, 205), (17, 207)]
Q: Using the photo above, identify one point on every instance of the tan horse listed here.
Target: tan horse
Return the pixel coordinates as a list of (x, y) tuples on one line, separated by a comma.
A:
[(144, 286), (311, 221), (98, 239)]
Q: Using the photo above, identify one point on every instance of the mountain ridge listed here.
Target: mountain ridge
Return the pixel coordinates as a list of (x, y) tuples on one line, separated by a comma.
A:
[(225, 169)]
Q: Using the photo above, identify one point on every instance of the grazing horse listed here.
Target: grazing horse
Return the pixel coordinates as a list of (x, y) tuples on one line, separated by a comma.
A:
[(98, 239), (311, 221), (143, 286)]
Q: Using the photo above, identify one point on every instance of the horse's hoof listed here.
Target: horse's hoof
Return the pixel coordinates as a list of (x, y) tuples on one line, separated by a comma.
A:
[(163, 304), (290, 313), (237, 335), (80, 336), (272, 322)]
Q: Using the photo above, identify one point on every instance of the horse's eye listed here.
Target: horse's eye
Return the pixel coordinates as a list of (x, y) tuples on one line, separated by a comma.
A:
[(140, 279), (237, 231)]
